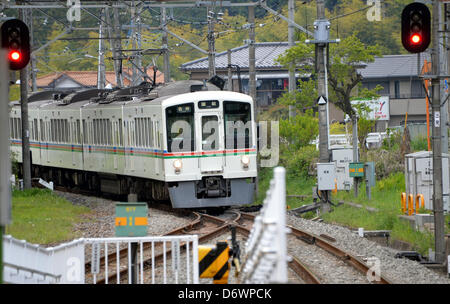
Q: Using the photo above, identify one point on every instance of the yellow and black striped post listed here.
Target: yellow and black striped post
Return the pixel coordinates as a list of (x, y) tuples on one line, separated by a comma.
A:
[(214, 262)]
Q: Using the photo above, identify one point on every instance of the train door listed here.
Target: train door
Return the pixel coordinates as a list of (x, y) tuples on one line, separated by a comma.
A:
[(212, 142)]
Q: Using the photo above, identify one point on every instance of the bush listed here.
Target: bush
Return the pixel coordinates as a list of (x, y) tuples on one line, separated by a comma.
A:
[(419, 144), (300, 130), (387, 162), (302, 162)]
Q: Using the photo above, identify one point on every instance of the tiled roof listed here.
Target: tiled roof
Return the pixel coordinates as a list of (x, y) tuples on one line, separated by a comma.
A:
[(265, 54), (394, 66), (89, 78)]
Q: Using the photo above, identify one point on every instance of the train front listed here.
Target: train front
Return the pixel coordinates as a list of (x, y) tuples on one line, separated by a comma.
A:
[(210, 149)]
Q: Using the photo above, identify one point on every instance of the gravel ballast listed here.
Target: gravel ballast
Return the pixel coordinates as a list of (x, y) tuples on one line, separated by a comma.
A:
[(399, 271)]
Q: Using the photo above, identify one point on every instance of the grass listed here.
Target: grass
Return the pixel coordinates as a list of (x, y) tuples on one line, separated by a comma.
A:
[(39, 216), (295, 185)]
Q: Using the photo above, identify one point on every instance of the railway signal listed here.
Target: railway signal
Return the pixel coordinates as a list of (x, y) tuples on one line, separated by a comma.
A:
[(416, 27), (15, 38)]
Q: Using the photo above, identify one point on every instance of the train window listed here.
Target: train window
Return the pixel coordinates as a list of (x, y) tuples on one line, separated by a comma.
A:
[(14, 128), (42, 131), (52, 130), (78, 132), (120, 133), (210, 133), (237, 124), (180, 128), (85, 131), (208, 104)]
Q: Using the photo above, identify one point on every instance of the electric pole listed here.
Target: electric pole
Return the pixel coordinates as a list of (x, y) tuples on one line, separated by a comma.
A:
[(117, 46), (321, 40), (26, 156), (291, 43), (101, 69), (211, 42), (165, 46), (443, 44), (230, 74), (252, 57), (438, 207)]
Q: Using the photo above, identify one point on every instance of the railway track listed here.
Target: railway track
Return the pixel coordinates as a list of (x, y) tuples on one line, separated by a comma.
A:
[(324, 242), (208, 227)]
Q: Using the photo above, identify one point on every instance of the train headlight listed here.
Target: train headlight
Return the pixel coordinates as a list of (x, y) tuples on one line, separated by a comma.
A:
[(245, 160), (177, 164)]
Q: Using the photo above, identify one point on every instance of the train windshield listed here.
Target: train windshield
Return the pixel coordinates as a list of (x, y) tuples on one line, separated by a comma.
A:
[(180, 128), (238, 124)]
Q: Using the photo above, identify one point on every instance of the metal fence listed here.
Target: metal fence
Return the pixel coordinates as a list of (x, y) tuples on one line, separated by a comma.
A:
[(266, 247), (168, 259), (143, 259)]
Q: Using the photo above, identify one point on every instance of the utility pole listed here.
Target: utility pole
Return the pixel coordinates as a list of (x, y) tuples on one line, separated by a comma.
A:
[(5, 161), (141, 72), (101, 69), (211, 42), (252, 57), (437, 149), (134, 71), (26, 156), (443, 44), (117, 47), (230, 74), (321, 40), (33, 56), (291, 43), (165, 46)]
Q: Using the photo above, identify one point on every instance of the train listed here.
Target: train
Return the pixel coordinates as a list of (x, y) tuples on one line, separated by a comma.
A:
[(187, 141)]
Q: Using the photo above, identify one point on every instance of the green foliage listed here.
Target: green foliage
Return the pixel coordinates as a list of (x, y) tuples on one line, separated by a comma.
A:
[(387, 162), (14, 92), (337, 128), (39, 216), (300, 130), (301, 162), (419, 144), (303, 98), (393, 139)]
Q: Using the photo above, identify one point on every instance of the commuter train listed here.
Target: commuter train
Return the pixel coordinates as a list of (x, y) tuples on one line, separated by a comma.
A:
[(185, 141)]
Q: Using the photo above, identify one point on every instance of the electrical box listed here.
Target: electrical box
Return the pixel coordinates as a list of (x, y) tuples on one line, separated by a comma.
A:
[(326, 176), (342, 157), (322, 30), (356, 169), (419, 177), (131, 219), (369, 173)]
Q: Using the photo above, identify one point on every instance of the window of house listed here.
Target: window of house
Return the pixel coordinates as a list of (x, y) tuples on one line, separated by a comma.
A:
[(397, 89)]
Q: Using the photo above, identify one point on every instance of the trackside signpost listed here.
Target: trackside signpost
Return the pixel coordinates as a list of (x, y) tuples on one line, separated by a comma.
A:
[(131, 220)]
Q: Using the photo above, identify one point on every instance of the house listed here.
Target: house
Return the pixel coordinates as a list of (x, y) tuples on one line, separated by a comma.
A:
[(69, 80), (271, 77), (399, 77)]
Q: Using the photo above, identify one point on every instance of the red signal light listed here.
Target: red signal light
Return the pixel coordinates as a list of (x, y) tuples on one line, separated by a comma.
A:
[(14, 56), (416, 39)]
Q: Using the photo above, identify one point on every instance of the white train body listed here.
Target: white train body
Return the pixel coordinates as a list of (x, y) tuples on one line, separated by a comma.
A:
[(138, 146)]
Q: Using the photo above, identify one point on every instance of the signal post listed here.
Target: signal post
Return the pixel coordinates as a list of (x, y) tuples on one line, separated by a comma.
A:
[(15, 55), (416, 36)]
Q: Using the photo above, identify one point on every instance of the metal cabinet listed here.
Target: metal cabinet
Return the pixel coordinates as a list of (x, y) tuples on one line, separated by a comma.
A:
[(342, 158), (419, 177)]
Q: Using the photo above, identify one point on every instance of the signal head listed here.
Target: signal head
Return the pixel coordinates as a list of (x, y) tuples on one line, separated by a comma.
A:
[(15, 38), (416, 27)]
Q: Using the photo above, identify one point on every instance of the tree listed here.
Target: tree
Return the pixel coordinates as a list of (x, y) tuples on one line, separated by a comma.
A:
[(345, 59)]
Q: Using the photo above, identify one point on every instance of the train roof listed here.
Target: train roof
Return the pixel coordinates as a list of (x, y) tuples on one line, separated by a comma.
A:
[(174, 92)]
